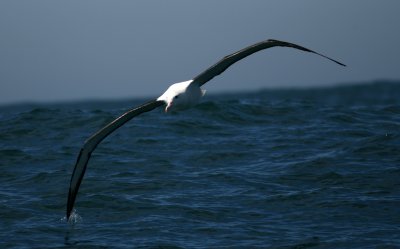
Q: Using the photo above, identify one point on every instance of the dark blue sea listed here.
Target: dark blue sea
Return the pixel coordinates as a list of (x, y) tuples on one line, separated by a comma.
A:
[(287, 169)]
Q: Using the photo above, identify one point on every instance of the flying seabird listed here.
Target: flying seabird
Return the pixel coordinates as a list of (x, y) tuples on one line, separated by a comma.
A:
[(178, 96)]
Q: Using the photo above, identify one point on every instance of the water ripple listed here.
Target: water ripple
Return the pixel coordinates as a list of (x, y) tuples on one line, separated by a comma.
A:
[(315, 168)]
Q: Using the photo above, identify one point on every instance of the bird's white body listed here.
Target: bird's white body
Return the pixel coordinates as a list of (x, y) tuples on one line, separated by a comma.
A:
[(181, 95)]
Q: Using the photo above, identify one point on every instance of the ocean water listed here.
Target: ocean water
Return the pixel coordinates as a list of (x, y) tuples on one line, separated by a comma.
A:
[(311, 168)]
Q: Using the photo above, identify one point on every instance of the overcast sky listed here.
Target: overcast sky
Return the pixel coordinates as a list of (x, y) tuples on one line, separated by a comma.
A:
[(93, 49)]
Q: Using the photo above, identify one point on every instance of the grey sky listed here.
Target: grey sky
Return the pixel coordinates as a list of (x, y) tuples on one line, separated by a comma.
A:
[(76, 50)]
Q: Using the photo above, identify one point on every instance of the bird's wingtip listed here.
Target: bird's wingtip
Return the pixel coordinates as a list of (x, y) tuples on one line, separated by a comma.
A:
[(338, 62)]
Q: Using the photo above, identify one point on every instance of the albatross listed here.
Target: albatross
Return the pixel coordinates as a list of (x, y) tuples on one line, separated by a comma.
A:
[(178, 96)]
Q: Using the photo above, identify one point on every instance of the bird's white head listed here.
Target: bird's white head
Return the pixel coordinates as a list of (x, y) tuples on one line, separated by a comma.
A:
[(181, 95)]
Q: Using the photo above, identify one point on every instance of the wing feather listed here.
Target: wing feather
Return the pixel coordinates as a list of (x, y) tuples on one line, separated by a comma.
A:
[(91, 144), (228, 60)]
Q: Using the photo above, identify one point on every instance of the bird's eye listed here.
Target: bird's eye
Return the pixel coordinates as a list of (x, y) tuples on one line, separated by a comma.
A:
[(176, 96)]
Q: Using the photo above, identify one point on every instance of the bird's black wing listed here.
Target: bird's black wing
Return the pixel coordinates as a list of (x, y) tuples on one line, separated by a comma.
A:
[(93, 141), (228, 60)]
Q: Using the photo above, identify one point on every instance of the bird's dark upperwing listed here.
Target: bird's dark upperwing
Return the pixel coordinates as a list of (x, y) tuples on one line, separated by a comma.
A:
[(228, 60), (93, 141)]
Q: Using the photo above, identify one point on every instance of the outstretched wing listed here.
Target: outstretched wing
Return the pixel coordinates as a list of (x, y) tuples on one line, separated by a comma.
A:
[(228, 60), (93, 141)]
